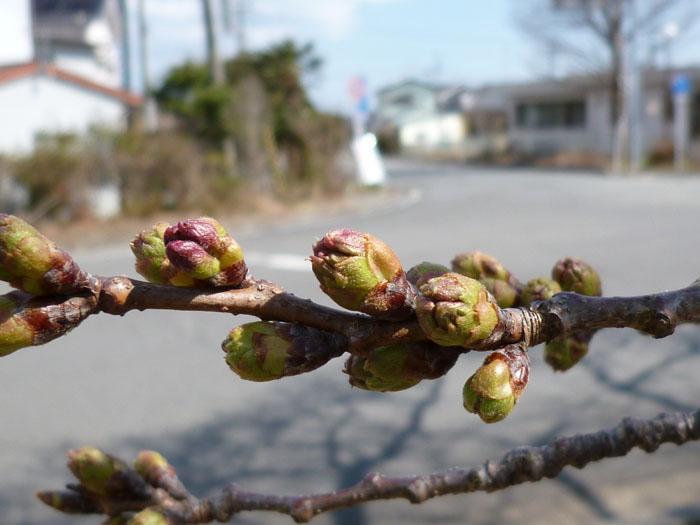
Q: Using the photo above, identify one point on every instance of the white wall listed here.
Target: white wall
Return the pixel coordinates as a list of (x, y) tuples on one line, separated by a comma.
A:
[(432, 132), (43, 104), (16, 44)]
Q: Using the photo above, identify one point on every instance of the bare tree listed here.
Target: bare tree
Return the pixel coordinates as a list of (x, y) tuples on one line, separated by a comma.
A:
[(580, 29)]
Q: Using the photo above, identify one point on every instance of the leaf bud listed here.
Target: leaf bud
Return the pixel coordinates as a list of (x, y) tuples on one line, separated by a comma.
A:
[(69, 502), (150, 516), (15, 331), (505, 294), (423, 272), (478, 265), (268, 350), (563, 353), (399, 366), (539, 289), (494, 389), (97, 471), (575, 275), (360, 272), (454, 310), (31, 262)]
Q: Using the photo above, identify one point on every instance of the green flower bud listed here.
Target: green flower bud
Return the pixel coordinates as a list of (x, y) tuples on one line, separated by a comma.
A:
[(505, 294), (575, 275), (494, 389), (97, 471), (150, 516), (151, 465), (539, 289), (191, 253), (69, 502), (399, 367), (15, 331), (423, 272), (264, 350), (563, 353), (360, 272), (454, 310), (149, 249), (31, 262), (478, 265)]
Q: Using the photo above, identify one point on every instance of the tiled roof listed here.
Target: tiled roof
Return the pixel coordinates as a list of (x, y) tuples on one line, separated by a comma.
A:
[(18, 71)]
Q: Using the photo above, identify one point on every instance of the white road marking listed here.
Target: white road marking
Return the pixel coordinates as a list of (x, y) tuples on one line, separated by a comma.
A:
[(279, 261)]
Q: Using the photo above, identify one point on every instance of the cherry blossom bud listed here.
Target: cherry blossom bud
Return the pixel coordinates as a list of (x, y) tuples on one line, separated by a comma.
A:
[(31, 262), (454, 310), (360, 272), (539, 289), (494, 389), (575, 275)]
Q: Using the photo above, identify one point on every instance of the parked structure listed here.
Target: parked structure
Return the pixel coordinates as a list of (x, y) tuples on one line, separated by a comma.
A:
[(71, 78)]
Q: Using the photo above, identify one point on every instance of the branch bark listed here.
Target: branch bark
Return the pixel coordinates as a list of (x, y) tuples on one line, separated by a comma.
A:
[(563, 315), (517, 466)]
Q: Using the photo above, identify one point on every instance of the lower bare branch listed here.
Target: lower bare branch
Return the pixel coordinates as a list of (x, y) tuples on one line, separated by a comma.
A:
[(518, 466)]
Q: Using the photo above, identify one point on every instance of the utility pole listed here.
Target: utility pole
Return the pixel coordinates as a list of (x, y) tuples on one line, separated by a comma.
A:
[(218, 77), (126, 58), (149, 108)]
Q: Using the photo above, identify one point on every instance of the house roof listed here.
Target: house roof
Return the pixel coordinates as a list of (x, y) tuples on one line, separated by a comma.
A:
[(16, 72)]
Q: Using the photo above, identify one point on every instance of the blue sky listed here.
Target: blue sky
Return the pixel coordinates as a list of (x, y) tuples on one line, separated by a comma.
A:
[(470, 42)]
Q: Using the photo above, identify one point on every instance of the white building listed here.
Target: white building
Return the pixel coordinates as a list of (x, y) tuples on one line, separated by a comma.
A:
[(65, 75)]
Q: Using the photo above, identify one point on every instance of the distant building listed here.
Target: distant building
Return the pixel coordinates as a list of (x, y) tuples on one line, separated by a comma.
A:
[(73, 78), (574, 114), (439, 120), (545, 117)]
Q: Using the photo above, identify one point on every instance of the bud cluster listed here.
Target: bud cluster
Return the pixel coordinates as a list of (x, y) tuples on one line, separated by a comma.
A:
[(492, 274), (104, 480), (191, 253)]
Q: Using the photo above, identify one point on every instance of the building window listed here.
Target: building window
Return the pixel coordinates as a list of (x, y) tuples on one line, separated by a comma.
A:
[(568, 114)]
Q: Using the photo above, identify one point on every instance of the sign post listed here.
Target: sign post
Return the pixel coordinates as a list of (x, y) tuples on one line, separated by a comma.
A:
[(681, 88)]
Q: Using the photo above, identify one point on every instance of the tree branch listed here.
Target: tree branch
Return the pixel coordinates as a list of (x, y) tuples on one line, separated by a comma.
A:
[(517, 466)]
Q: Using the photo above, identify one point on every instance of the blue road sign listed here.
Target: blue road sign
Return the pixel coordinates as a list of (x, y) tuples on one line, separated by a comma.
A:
[(680, 84)]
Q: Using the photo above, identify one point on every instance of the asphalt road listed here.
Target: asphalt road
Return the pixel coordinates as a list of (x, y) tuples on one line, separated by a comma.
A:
[(158, 380)]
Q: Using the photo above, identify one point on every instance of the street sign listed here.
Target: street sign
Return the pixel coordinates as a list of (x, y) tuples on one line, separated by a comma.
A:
[(680, 84)]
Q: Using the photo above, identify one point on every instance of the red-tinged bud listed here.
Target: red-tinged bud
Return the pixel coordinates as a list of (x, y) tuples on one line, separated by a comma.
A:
[(494, 389), (69, 502), (31, 262), (478, 265), (203, 250), (400, 366), (539, 289), (360, 272), (575, 275), (423, 272), (454, 310), (29, 321), (268, 350), (191, 253)]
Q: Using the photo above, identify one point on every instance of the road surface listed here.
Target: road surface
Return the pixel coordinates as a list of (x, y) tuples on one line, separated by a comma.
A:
[(158, 380)]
